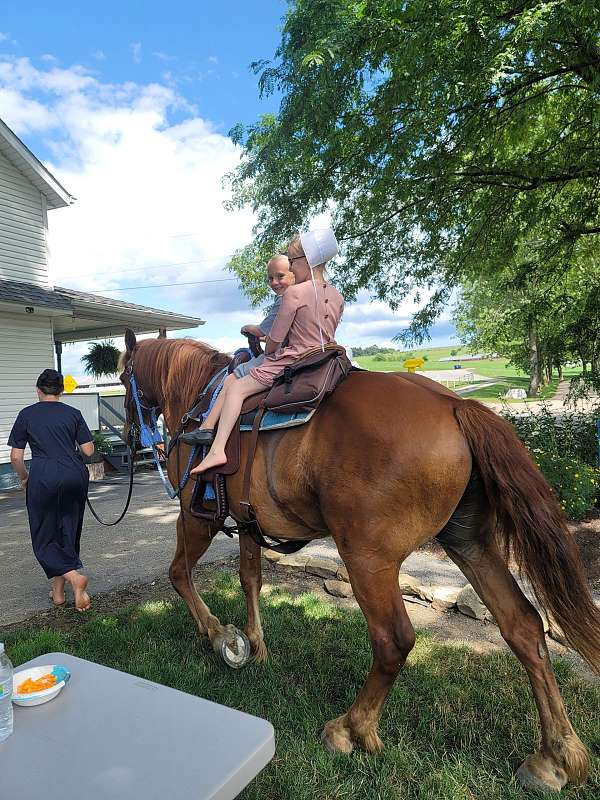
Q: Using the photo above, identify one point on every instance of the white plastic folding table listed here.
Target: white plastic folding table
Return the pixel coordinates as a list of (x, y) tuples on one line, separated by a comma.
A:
[(112, 736)]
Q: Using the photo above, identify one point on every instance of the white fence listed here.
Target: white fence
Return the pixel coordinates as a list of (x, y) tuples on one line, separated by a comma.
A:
[(88, 404)]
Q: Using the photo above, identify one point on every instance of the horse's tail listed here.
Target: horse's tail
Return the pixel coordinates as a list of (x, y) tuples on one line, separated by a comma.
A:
[(532, 526)]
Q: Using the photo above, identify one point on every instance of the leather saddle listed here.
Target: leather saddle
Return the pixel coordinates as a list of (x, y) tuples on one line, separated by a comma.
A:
[(303, 385)]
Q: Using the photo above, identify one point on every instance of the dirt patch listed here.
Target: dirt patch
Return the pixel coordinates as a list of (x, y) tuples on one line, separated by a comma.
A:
[(587, 536)]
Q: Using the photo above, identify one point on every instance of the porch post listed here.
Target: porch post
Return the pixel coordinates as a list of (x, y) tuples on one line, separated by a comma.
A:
[(58, 351)]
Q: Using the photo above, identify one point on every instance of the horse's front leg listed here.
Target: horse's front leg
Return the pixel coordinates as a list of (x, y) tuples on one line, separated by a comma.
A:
[(251, 580), (193, 540)]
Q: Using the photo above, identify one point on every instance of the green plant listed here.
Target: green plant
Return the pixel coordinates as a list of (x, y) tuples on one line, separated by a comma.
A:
[(576, 484), (102, 443), (565, 448), (101, 359), (569, 433)]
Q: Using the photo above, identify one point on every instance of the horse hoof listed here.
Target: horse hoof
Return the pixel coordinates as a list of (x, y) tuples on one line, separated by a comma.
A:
[(540, 775), (336, 737), (260, 653), (233, 646)]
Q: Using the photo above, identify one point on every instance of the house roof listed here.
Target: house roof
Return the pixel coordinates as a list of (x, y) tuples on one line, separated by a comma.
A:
[(21, 157), (30, 295), (79, 316)]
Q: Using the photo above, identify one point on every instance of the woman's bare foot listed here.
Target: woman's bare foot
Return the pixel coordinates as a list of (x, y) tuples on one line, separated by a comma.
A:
[(214, 458), (79, 583), (57, 593)]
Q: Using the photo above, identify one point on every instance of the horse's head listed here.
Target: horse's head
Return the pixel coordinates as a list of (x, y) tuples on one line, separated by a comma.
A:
[(146, 399), (168, 376)]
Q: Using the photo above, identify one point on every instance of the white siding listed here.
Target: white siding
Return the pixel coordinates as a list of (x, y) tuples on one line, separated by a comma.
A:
[(23, 255), (26, 349)]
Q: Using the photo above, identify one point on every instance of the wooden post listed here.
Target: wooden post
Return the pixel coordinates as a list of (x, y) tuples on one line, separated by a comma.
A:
[(58, 351), (162, 333)]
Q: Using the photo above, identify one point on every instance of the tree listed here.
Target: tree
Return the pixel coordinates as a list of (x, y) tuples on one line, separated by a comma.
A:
[(101, 359), (445, 139), (538, 324)]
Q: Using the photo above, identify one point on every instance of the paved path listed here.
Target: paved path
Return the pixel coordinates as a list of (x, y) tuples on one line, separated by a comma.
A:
[(137, 549), (555, 404)]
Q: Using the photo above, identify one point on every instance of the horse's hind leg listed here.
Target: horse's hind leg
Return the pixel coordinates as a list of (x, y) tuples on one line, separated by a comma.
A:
[(562, 756), (374, 580), (251, 580), (193, 540)]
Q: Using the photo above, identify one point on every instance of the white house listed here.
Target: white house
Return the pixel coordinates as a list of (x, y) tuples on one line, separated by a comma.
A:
[(35, 317)]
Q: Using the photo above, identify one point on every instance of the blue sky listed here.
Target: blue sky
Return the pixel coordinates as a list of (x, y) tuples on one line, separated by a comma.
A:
[(204, 48), (130, 106)]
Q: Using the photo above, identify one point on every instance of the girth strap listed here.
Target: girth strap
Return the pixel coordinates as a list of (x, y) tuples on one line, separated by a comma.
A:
[(250, 524)]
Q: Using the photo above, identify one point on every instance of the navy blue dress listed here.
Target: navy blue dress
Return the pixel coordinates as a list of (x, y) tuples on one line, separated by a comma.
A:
[(58, 481)]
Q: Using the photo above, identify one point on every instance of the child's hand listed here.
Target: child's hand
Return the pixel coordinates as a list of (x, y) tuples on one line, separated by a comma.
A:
[(251, 330)]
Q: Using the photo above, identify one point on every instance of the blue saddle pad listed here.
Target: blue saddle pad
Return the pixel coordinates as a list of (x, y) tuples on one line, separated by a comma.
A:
[(273, 421)]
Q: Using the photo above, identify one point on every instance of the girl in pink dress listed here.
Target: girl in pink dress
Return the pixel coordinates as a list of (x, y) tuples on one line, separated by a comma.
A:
[(309, 315)]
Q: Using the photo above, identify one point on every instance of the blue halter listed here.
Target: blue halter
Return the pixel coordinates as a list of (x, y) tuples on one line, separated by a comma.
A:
[(150, 435)]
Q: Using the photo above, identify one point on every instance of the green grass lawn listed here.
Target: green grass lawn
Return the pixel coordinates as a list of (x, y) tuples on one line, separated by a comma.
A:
[(456, 725), (508, 376)]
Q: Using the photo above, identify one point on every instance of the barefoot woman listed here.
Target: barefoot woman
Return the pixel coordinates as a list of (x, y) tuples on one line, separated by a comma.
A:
[(309, 315), (56, 485)]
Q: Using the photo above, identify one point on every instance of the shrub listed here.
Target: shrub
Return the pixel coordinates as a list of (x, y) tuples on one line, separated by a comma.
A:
[(102, 443), (576, 484), (565, 448), (570, 433), (393, 356)]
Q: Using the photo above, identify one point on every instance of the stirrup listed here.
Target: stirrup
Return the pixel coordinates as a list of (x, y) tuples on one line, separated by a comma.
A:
[(201, 436)]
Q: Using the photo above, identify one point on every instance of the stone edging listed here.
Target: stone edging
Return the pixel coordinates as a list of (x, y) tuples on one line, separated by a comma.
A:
[(440, 598)]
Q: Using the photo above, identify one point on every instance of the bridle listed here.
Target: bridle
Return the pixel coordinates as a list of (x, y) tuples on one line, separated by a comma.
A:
[(141, 422)]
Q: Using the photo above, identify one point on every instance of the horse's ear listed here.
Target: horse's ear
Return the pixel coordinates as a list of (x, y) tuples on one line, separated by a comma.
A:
[(130, 340)]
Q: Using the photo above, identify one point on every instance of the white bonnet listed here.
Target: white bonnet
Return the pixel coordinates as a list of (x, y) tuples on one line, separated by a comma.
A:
[(319, 246)]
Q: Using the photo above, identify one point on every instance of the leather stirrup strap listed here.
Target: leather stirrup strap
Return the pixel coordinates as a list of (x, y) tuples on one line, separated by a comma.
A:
[(245, 499)]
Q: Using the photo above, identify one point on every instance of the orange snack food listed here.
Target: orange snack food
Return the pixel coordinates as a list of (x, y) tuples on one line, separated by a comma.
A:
[(38, 685)]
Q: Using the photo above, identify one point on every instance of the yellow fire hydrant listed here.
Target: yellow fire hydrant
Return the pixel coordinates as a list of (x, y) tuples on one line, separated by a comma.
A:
[(413, 364)]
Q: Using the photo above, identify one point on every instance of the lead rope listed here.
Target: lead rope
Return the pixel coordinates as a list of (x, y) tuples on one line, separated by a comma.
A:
[(129, 493)]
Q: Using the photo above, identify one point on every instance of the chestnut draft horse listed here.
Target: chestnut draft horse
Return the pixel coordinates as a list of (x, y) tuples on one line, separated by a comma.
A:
[(352, 473)]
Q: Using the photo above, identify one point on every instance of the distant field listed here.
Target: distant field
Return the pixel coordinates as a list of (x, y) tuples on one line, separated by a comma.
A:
[(488, 367), (509, 377)]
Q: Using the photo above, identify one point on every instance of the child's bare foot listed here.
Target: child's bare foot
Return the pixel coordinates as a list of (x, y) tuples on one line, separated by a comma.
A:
[(214, 458), (57, 593), (79, 583)]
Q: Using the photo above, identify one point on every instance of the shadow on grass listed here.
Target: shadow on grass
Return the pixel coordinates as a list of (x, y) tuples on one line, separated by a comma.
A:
[(456, 724)]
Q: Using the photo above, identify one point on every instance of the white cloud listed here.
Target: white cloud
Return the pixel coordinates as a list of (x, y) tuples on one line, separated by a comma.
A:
[(213, 60), (136, 52), (4, 36), (149, 191), (147, 173), (163, 56), (99, 55), (24, 114)]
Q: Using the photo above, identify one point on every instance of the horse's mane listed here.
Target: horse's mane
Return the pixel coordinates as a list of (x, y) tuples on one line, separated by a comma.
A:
[(176, 370)]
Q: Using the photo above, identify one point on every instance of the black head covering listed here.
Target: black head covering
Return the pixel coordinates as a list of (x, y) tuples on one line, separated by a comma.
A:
[(50, 382)]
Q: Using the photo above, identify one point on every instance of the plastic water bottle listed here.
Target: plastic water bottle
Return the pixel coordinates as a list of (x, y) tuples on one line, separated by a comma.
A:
[(6, 684)]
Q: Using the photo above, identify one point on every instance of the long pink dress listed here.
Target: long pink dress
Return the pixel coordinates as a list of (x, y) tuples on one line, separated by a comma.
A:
[(298, 319)]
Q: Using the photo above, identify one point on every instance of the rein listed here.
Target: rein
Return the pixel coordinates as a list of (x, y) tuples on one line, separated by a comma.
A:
[(148, 435)]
